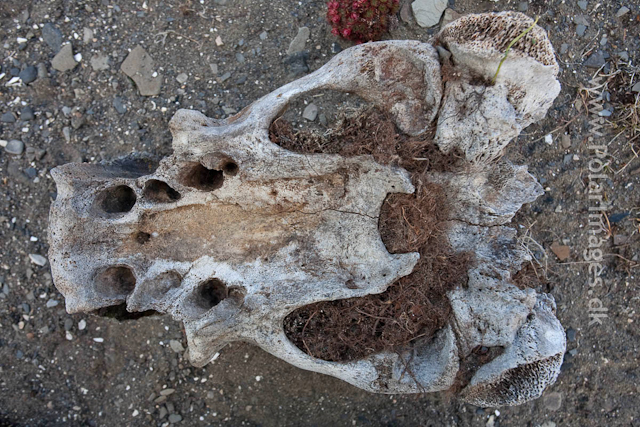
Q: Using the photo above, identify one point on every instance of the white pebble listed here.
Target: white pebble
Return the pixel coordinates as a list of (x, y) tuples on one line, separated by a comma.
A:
[(68, 336), (98, 339), (135, 413), (77, 57), (82, 324), (38, 259), (548, 139), (258, 378)]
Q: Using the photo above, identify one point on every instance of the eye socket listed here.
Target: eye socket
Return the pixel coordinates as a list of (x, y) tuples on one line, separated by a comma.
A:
[(211, 293), (118, 199), (160, 192), (115, 281), (230, 168), (199, 177)]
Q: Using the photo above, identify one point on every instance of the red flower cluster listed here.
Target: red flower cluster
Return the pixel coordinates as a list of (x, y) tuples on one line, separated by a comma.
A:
[(361, 20)]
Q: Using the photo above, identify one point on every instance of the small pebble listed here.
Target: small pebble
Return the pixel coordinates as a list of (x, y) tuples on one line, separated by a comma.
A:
[(175, 418), (182, 78), (622, 11), (310, 112), (29, 74), (118, 104), (8, 117), (26, 114), (548, 139), (583, 4), (167, 391), (176, 346), (51, 303), (82, 324), (263, 35), (14, 147), (240, 57), (37, 259)]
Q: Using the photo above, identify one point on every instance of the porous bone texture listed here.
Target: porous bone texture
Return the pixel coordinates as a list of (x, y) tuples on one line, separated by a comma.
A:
[(231, 233)]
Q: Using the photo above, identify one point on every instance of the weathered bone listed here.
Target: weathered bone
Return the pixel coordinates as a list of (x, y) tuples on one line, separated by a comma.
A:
[(231, 233)]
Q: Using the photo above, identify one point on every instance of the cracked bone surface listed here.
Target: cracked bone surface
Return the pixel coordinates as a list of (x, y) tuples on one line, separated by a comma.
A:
[(231, 233)]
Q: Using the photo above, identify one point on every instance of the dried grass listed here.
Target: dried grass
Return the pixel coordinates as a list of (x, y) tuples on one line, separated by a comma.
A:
[(414, 306)]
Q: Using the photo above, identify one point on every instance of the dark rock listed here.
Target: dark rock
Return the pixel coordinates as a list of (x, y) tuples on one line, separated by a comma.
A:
[(118, 104), (8, 117), (31, 172), (571, 334), (15, 72), (581, 29), (336, 48), (52, 37), (596, 60), (14, 146), (615, 218), (26, 114)]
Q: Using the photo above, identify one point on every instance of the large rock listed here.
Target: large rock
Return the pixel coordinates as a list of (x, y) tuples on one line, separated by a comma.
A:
[(139, 66), (428, 12), (64, 60)]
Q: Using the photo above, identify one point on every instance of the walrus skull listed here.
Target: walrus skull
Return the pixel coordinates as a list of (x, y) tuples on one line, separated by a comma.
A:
[(231, 233)]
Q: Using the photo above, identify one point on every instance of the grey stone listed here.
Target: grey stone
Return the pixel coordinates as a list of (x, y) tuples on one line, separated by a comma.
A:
[(580, 30), (565, 141), (139, 66), (449, 16), (428, 12), (31, 172), (405, 13), (8, 117), (322, 118), (29, 74), (636, 87), (564, 48), (571, 334), (221, 2), (87, 36), (68, 324), (523, 6), (224, 77), (176, 346), (263, 35), (66, 132), (175, 418), (622, 11), (99, 62), (624, 55), (118, 104), (26, 114), (38, 259), (162, 412), (14, 146), (567, 159), (300, 40), (310, 112), (582, 4), (581, 20), (214, 68), (240, 57), (64, 61), (52, 36), (182, 78), (242, 79), (596, 60), (42, 71), (336, 48), (51, 303), (553, 401)]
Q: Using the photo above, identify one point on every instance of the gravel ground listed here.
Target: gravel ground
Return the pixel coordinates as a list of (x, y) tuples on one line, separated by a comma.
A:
[(71, 102)]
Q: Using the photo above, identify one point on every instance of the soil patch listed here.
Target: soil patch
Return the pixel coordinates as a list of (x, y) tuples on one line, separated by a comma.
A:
[(414, 306)]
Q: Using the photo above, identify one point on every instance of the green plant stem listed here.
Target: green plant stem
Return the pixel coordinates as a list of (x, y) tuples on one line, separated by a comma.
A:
[(524, 33)]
